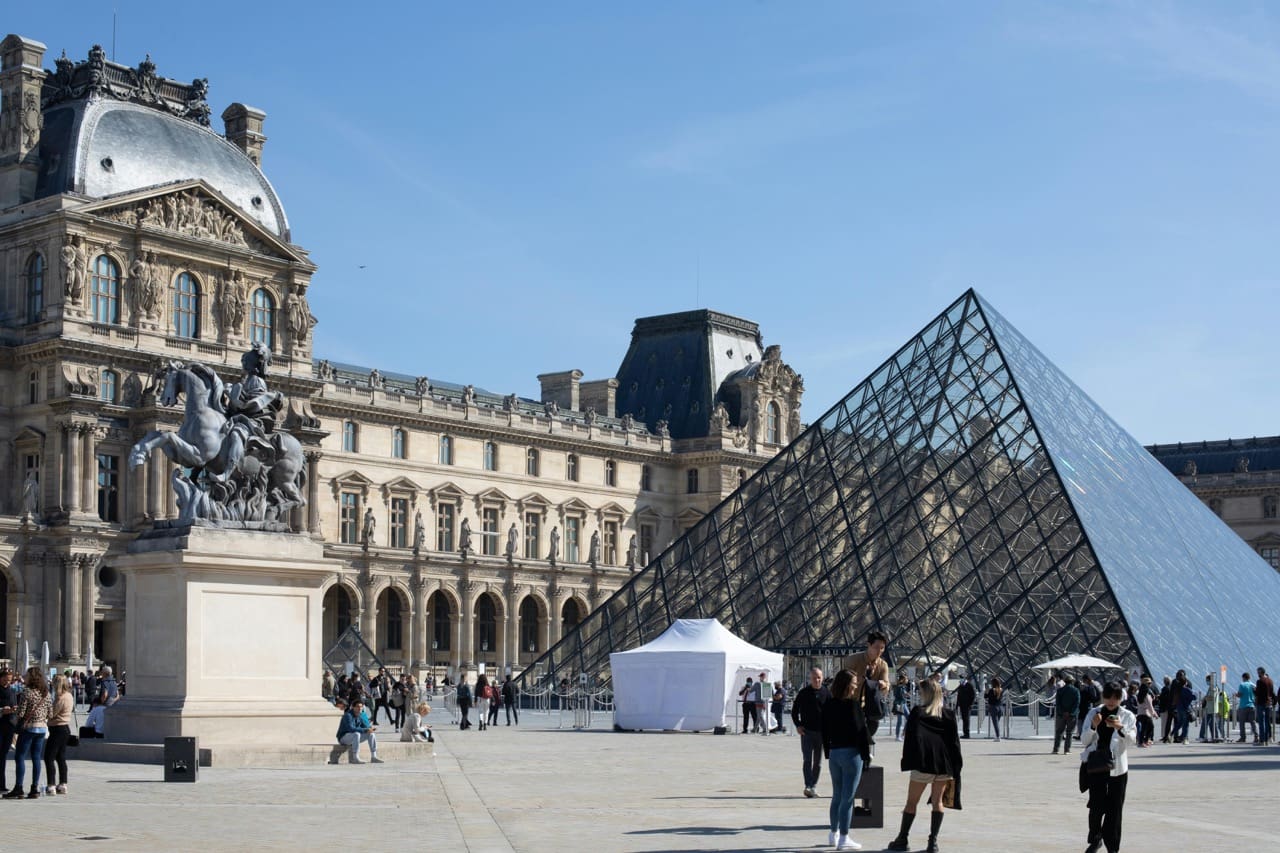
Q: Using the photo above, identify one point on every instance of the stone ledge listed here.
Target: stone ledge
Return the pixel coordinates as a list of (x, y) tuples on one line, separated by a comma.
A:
[(244, 755)]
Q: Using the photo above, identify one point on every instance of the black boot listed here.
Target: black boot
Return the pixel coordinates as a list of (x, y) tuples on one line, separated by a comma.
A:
[(15, 794), (901, 843), (935, 824)]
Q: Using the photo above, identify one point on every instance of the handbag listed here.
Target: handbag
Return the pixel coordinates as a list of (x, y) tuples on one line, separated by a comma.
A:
[(1098, 762)]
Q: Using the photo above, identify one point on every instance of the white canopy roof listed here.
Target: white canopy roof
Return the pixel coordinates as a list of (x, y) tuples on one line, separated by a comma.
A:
[(1078, 662)]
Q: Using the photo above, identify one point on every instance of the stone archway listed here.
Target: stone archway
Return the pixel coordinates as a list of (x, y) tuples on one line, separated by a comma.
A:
[(394, 611)]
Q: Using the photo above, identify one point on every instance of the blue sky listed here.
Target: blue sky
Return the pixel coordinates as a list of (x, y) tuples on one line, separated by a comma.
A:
[(521, 181)]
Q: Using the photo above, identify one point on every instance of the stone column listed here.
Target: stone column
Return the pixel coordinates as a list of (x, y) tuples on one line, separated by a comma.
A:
[(369, 618), (557, 603), (546, 633), (71, 617), (170, 496), (418, 634), (89, 470), (513, 633), (313, 493), (455, 655), (137, 496), (88, 601), (155, 491), (71, 482), (468, 624), (50, 629)]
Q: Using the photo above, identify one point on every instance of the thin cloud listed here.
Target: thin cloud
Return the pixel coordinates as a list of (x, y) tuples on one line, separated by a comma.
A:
[(1241, 52), (730, 140)]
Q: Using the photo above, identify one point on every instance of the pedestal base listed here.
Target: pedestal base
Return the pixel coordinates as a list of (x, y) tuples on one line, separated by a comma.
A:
[(222, 639)]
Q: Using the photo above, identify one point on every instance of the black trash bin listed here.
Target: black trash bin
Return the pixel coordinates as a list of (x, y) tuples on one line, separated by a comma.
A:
[(181, 759)]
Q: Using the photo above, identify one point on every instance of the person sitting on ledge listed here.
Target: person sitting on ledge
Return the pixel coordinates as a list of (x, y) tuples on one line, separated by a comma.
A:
[(414, 730), (95, 724), (354, 729)]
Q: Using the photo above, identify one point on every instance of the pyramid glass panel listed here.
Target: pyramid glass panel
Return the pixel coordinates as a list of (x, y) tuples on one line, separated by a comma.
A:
[(978, 507)]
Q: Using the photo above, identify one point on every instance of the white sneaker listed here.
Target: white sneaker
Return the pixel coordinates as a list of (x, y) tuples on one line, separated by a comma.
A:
[(847, 843), (831, 838), (49, 790)]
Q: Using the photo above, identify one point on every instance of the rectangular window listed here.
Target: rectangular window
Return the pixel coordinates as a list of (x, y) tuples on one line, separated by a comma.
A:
[(572, 539), (108, 487), (532, 524), (444, 527), (1272, 556), (691, 481), (645, 543), (489, 531), (349, 437), (611, 543), (399, 522), (349, 519)]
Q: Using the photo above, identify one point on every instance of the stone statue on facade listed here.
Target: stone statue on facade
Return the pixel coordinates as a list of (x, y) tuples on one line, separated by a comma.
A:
[(551, 408), (299, 317), (235, 468), (628, 422), (513, 538), (510, 403), (719, 418), (30, 495), (554, 551), (633, 553), (468, 395), (422, 386), (1242, 465), (663, 429), (464, 538), (375, 379), (146, 283), (419, 532), (325, 370), (1190, 469), (231, 305), (74, 256), (368, 529), (593, 551)]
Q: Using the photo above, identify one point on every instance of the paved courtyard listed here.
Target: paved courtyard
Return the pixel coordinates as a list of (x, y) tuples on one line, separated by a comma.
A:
[(540, 788)]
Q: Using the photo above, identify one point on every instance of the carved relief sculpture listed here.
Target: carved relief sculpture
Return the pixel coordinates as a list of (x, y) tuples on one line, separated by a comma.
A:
[(719, 418), (232, 303), (299, 317), (74, 257), (146, 284)]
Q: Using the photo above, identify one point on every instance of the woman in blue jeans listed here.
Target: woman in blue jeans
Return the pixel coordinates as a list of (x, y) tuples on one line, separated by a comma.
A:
[(33, 727), (847, 746)]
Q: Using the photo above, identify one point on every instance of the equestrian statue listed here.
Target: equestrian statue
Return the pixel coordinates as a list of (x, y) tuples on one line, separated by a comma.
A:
[(234, 467)]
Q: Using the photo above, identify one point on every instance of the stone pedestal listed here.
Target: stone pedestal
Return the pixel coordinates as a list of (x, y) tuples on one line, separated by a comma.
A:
[(222, 639)]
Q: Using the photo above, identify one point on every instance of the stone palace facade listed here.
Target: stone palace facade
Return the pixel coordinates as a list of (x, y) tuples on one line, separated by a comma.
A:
[(472, 527)]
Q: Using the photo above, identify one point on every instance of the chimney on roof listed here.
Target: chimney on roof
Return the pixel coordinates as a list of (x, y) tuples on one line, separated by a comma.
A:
[(561, 388), (601, 395), (21, 118), (243, 125)]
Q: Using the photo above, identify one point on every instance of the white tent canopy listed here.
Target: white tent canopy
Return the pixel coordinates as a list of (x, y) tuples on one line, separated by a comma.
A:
[(1078, 662), (686, 679)]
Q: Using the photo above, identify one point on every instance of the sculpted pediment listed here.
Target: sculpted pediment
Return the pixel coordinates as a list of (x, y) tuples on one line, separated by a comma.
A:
[(193, 209)]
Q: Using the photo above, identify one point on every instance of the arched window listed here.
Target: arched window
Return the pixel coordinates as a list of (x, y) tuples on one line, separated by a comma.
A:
[(571, 467), (104, 290), (440, 618), (772, 426), (35, 287), (186, 307), (570, 615), (262, 318), (529, 625), (349, 436), (397, 443), (646, 478), (107, 386), (531, 462), (610, 472), (395, 621), (446, 450), (486, 625), (490, 456)]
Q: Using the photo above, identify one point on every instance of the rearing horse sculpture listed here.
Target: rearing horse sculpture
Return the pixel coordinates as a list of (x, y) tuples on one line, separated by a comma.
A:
[(237, 472)]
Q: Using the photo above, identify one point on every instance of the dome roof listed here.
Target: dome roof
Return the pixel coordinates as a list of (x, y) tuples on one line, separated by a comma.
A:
[(106, 147)]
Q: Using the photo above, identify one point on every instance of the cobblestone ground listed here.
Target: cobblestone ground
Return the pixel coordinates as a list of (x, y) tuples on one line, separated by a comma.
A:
[(540, 788)]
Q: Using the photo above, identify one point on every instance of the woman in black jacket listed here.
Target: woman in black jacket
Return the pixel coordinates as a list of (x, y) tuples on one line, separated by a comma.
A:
[(847, 746), (931, 752)]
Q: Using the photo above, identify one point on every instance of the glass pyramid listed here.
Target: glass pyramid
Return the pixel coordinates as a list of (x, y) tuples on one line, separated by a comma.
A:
[(973, 503)]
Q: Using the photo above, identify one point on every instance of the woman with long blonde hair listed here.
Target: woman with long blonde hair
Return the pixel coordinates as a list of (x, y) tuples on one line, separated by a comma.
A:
[(55, 751), (931, 753)]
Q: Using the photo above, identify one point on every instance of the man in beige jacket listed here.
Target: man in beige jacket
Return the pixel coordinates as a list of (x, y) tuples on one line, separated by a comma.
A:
[(870, 674)]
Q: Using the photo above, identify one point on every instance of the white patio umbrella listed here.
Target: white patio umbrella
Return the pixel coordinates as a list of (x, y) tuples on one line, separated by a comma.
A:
[(44, 655), (1078, 662), (89, 660), (26, 655)]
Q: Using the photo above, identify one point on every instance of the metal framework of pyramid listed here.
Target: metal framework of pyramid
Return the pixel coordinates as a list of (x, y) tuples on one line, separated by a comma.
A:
[(973, 503)]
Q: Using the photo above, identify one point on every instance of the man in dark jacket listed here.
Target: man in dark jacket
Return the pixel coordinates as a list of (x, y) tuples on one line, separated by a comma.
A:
[(806, 714), (1264, 697), (966, 695), (1067, 708), (510, 693), (1090, 696)]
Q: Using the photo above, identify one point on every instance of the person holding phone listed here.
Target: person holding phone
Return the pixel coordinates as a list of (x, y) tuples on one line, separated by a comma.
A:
[(1108, 729)]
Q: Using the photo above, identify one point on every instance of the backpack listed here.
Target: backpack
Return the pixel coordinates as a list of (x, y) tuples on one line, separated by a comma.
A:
[(464, 692)]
